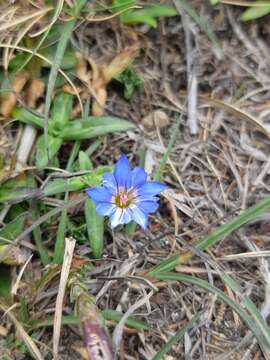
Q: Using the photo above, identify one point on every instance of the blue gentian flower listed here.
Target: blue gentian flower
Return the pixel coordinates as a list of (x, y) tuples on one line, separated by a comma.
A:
[(126, 195)]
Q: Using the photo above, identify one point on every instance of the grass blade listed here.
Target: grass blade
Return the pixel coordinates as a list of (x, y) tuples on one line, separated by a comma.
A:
[(217, 235), (43, 253), (94, 126), (174, 339), (168, 150), (60, 51), (5, 284), (201, 21), (253, 325), (60, 237), (61, 231)]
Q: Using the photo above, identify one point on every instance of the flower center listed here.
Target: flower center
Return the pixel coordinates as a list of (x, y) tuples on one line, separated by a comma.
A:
[(123, 199)]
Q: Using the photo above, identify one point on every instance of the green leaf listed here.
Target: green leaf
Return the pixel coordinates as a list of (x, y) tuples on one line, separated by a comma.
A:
[(156, 11), (94, 126), (95, 223), (175, 338), (75, 183), (255, 12), (120, 5), (11, 230), (17, 189), (95, 228), (216, 235), (146, 15), (61, 111), (132, 19), (252, 323), (54, 145), (200, 20), (66, 32), (84, 161), (60, 238), (108, 314), (68, 62), (24, 314), (131, 322), (5, 284), (168, 151), (27, 117), (41, 249)]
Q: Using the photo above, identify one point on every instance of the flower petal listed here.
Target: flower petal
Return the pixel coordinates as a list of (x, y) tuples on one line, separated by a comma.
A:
[(99, 194), (140, 217), (148, 206), (105, 208), (151, 188), (122, 172), (127, 216), (138, 177), (110, 183), (120, 216)]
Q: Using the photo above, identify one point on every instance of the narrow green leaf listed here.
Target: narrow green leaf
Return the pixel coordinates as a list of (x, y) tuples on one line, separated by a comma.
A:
[(60, 51), (43, 253), (75, 183), (17, 189), (168, 150), (255, 12), (174, 339), (108, 314), (42, 158), (154, 11), (14, 193), (49, 321), (131, 322), (58, 7), (218, 234), (95, 223), (133, 18), (61, 47), (94, 126), (234, 224), (11, 230), (84, 161), (201, 21), (8, 233), (94, 146), (120, 5), (95, 228), (5, 284), (61, 111), (253, 325), (24, 314), (61, 231), (27, 117), (39, 221)]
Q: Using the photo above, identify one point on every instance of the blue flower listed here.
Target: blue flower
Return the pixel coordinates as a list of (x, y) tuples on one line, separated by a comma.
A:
[(126, 195)]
